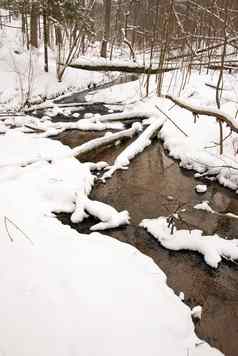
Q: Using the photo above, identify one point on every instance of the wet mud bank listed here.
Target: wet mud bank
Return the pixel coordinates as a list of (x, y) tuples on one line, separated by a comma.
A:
[(154, 185)]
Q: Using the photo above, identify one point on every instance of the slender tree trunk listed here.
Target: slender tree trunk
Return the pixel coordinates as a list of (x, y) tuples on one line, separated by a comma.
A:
[(46, 34), (107, 23), (34, 24)]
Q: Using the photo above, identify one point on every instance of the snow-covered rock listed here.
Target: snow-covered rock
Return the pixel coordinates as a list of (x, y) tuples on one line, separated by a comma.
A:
[(201, 188)]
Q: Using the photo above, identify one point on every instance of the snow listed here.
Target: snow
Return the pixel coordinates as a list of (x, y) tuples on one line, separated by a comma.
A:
[(204, 206), (64, 185), (23, 72), (101, 62), (201, 188), (213, 248), (197, 312), (138, 146), (77, 297), (181, 296), (110, 217), (65, 293)]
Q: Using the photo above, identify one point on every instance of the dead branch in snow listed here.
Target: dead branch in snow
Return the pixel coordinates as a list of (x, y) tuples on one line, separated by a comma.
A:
[(35, 129), (205, 111), (6, 222), (169, 118)]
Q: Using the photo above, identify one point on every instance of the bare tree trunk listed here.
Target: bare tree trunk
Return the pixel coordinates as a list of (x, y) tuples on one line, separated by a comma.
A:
[(107, 22), (34, 24), (220, 79), (46, 34)]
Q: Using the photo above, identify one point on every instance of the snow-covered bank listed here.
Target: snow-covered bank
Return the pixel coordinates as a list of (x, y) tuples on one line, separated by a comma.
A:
[(48, 186), (213, 248), (64, 293)]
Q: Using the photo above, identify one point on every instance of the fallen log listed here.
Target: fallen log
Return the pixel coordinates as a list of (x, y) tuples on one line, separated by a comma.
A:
[(45, 106), (105, 140), (123, 160), (120, 67), (206, 111)]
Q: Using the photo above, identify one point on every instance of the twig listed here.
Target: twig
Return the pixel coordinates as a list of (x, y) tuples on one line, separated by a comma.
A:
[(162, 112), (35, 129), (9, 235), (6, 221)]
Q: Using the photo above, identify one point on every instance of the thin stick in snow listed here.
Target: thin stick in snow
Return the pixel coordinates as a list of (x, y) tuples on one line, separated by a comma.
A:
[(169, 118), (6, 221)]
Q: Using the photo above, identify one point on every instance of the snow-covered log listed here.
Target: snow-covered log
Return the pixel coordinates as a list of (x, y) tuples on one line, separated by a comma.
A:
[(105, 140), (213, 248), (49, 105), (206, 111), (138, 146), (102, 64), (126, 115), (109, 217)]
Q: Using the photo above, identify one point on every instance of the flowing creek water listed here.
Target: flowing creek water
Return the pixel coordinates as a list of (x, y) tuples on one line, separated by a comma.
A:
[(154, 185)]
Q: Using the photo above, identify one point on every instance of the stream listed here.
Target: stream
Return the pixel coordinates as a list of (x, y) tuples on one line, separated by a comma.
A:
[(154, 185)]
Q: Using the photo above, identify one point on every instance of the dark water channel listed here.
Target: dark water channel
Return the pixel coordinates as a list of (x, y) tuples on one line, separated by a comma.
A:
[(154, 185)]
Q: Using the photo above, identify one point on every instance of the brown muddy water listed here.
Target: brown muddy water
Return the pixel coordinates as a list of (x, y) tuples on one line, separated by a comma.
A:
[(154, 185)]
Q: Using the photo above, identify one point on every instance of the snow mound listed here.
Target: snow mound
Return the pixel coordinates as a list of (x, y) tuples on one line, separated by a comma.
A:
[(201, 188), (90, 296), (213, 248)]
